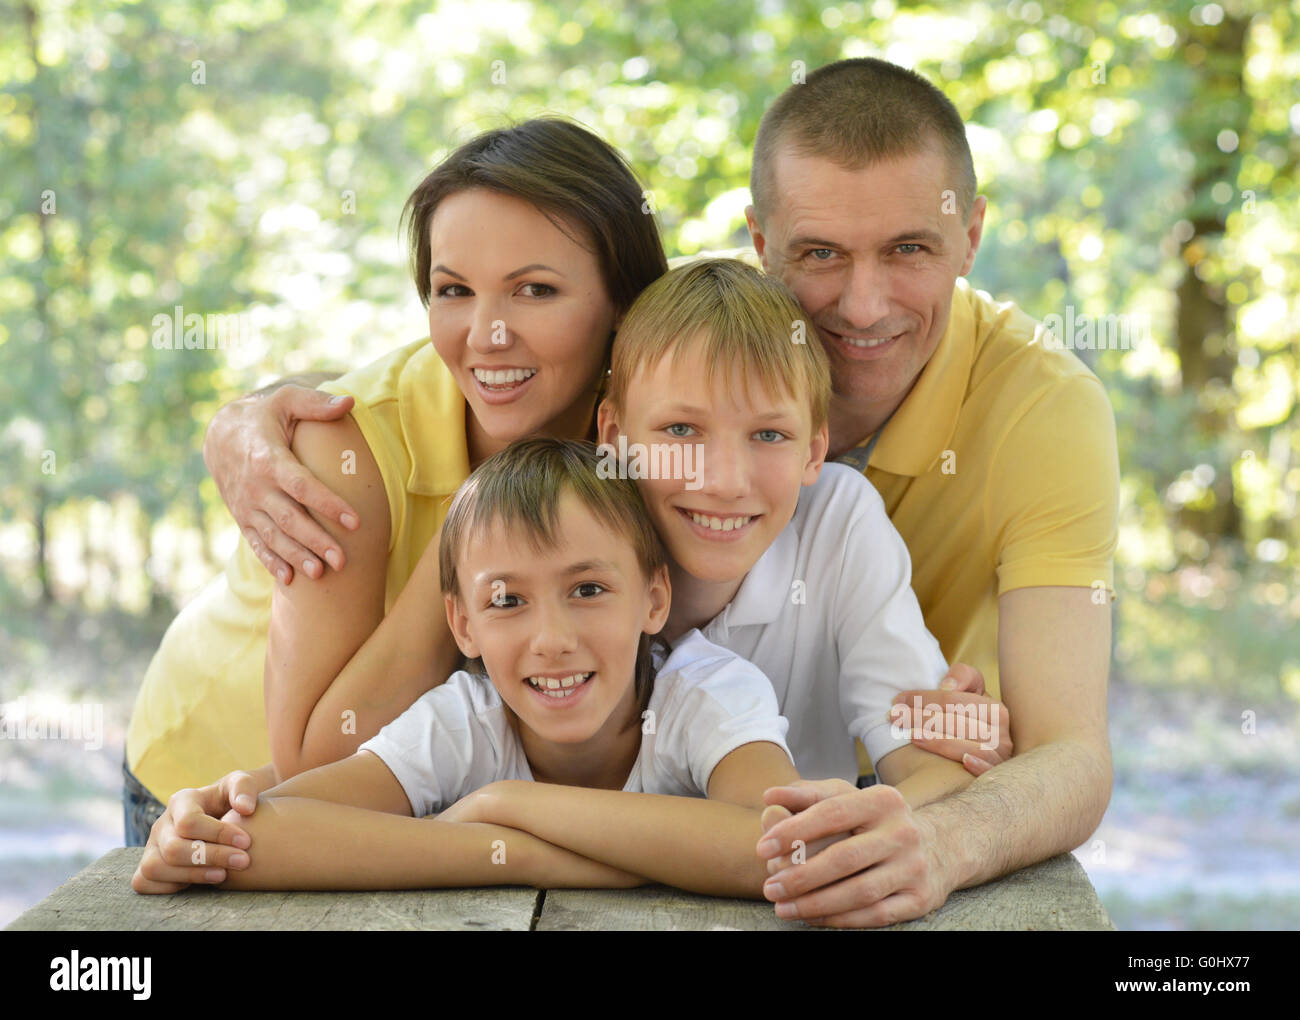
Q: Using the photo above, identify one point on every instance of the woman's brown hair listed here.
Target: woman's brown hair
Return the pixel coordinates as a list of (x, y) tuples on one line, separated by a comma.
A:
[(581, 182)]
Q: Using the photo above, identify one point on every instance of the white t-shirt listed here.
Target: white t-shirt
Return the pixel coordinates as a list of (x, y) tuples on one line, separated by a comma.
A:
[(706, 702), (829, 615)]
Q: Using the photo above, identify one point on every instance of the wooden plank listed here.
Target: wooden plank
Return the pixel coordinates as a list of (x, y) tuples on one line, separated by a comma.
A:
[(100, 898), (1052, 896)]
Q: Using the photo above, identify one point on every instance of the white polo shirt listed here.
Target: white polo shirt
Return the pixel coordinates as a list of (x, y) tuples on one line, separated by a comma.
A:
[(707, 701), (828, 613)]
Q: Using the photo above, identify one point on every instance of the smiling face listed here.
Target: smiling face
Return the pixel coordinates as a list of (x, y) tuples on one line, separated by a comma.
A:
[(872, 255), (520, 314), (558, 629), (754, 452)]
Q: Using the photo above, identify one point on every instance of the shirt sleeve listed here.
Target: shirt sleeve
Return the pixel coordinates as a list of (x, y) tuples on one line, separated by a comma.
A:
[(444, 746), (1053, 493), (708, 709), (883, 643)]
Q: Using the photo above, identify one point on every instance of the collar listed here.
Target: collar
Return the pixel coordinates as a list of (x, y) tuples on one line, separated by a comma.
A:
[(924, 424), (432, 409), (761, 595)]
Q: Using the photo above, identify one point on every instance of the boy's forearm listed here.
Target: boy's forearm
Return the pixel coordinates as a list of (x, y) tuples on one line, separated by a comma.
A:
[(922, 777), (934, 781), (311, 844), (700, 845)]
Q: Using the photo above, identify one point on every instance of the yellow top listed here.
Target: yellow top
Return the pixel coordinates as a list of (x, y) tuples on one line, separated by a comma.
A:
[(1000, 470), (200, 712)]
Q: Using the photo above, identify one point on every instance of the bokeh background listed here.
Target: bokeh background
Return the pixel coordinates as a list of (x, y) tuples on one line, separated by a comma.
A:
[(251, 160)]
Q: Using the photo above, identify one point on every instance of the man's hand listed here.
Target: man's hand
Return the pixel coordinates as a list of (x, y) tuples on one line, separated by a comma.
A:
[(191, 842), (978, 747), (247, 453), (882, 869)]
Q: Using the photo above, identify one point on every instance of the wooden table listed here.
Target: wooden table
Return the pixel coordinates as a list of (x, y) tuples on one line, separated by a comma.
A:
[(1055, 895)]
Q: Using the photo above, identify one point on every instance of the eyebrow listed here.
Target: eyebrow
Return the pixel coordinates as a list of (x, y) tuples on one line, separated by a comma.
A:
[(765, 416), (576, 568), (440, 268), (906, 237)]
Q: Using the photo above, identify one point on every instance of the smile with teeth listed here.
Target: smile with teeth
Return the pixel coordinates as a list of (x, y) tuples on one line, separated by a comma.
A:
[(503, 379), (559, 687), (718, 523), (874, 341)]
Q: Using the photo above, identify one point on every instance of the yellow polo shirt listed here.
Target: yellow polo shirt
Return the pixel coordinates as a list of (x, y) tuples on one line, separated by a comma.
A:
[(1000, 470), (200, 711)]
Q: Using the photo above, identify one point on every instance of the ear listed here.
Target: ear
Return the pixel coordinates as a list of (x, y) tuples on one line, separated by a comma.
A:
[(974, 232), (756, 235), (459, 624), (817, 450), (607, 429), (661, 596)]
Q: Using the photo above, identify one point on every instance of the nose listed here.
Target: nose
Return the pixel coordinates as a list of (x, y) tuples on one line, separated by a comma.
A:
[(488, 332), (865, 298), (553, 632), (724, 468)]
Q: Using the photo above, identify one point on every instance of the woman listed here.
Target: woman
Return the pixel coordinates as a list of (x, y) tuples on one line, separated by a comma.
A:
[(527, 246)]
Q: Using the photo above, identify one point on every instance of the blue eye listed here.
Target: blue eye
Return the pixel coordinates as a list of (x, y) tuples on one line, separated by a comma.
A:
[(815, 252), (914, 247), (770, 432), (678, 425)]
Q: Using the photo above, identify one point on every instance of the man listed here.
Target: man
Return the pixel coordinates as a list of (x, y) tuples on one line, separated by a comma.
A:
[(996, 459)]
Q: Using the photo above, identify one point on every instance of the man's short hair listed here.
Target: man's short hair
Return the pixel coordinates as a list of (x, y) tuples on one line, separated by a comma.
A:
[(855, 112)]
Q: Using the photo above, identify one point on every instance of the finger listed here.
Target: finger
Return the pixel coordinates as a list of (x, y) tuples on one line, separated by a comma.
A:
[(305, 404), (845, 892), (902, 906), (778, 864), (964, 678), (835, 864), (176, 851), (294, 532), (155, 869), (804, 793), (240, 791), (304, 487), (953, 750), (275, 566), (976, 766), (199, 825), (772, 814), (841, 814)]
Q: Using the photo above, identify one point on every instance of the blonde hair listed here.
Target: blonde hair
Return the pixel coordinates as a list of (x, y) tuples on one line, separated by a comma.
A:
[(738, 317), (521, 486)]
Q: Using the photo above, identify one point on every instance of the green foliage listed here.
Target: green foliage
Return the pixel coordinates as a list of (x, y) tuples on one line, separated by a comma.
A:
[(251, 160)]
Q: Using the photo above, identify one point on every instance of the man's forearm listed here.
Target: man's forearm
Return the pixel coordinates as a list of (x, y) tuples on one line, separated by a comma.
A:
[(703, 846), (310, 844), (1041, 803)]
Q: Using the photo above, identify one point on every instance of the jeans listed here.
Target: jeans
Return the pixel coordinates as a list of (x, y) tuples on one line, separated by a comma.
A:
[(140, 808)]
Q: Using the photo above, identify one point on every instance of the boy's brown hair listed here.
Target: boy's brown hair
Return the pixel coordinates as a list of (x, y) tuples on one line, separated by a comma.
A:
[(521, 487), (738, 317)]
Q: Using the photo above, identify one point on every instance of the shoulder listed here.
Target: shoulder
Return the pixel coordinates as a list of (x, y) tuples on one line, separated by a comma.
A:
[(1018, 363), (337, 453), (378, 380), (699, 673)]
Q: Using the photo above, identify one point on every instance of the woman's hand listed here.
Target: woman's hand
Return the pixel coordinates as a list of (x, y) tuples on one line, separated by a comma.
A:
[(266, 488), (191, 842)]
